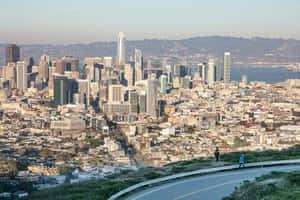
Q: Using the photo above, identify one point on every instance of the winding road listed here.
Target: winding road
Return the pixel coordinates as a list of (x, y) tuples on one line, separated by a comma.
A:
[(207, 187)]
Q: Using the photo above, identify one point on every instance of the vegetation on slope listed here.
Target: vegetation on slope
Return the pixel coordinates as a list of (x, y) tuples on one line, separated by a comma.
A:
[(104, 188), (274, 186)]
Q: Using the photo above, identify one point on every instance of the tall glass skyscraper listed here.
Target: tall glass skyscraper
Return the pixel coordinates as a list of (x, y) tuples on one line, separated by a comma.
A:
[(139, 74), (163, 84), (227, 63), (121, 48)]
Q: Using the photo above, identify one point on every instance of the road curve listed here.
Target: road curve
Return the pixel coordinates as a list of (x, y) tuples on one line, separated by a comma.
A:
[(212, 187)]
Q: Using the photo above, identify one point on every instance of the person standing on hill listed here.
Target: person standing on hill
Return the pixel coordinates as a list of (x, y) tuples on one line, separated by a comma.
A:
[(217, 154), (242, 161)]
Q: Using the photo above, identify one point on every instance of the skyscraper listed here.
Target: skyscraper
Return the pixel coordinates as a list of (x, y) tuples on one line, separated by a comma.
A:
[(61, 66), (12, 53), (43, 70), (129, 75), (29, 62), (121, 49), (21, 70), (218, 70), (142, 102), (151, 95), (64, 89), (163, 84), (227, 63), (202, 70), (139, 74), (210, 72), (115, 93), (134, 101)]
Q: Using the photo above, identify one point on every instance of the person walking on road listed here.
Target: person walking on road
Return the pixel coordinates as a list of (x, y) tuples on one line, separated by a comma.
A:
[(242, 161), (217, 154)]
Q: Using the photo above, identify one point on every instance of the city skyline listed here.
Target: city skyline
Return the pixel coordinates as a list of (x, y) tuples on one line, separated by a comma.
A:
[(82, 22)]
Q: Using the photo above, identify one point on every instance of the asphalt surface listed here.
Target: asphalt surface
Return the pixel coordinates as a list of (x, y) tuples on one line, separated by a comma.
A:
[(208, 187)]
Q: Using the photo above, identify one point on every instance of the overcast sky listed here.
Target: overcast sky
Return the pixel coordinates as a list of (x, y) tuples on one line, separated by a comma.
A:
[(82, 21)]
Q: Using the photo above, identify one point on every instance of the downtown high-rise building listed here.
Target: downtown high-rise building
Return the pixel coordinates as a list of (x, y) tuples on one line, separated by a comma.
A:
[(210, 72), (129, 75), (218, 70), (64, 90), (21, 71), (152, 104), (163, 84), (202, 70), (121, 55), (227, 63), (116, 93), (43, 70), (72, 64), (138, 65), (12, 53)]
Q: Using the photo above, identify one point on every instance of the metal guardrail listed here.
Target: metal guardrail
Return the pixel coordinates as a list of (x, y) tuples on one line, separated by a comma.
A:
[(199, 172)]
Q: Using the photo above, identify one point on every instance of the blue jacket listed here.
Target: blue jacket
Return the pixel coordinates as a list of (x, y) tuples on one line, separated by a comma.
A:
[(241, 159)]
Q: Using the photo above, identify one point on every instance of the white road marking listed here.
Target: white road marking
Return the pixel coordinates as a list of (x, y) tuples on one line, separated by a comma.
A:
[(209, 188)]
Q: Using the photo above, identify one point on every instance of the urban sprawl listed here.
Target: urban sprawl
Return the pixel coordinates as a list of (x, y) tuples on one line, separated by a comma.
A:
[(115, 114)]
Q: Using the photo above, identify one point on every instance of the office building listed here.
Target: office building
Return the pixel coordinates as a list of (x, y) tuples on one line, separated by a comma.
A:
[(44, 70), (72, 64), (142, 102), (107, 62), (218, 71), (121, 49), (64, 90), (12, 53), (152, 106), (186, 82), (227, 63), (129, 75), (203, 71), (210, 72), (21, 71), (61, 66), (92, 61), (116, 93), (163, 84), (138, 65), (116, 108), (11, 74), (51, 80), (29, 62), (134, 101)]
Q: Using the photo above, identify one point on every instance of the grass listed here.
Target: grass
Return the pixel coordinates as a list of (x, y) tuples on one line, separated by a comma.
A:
[(274, 186), (104, 188)]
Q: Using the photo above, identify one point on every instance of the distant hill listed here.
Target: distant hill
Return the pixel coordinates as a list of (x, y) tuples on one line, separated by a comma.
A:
[(242, 49)]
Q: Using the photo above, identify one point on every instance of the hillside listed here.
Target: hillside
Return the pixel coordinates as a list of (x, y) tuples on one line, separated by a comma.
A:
[(243, 49), (104, 188)]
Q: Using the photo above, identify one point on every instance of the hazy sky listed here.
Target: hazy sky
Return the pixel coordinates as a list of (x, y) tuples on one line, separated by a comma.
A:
[(78, 21)]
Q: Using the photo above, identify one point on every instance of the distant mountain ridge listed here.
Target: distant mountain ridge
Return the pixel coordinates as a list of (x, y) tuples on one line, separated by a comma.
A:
[(242, 49)]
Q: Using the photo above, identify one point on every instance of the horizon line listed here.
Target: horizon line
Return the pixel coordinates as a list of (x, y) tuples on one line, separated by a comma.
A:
[(163, 39)]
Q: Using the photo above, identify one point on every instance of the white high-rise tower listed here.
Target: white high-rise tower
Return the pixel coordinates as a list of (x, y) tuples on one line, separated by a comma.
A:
[(21, 70), (121, 48), (210, 72), (227, 63)]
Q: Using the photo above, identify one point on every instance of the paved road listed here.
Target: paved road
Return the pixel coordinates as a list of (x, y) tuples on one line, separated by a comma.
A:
[(212, 187)]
